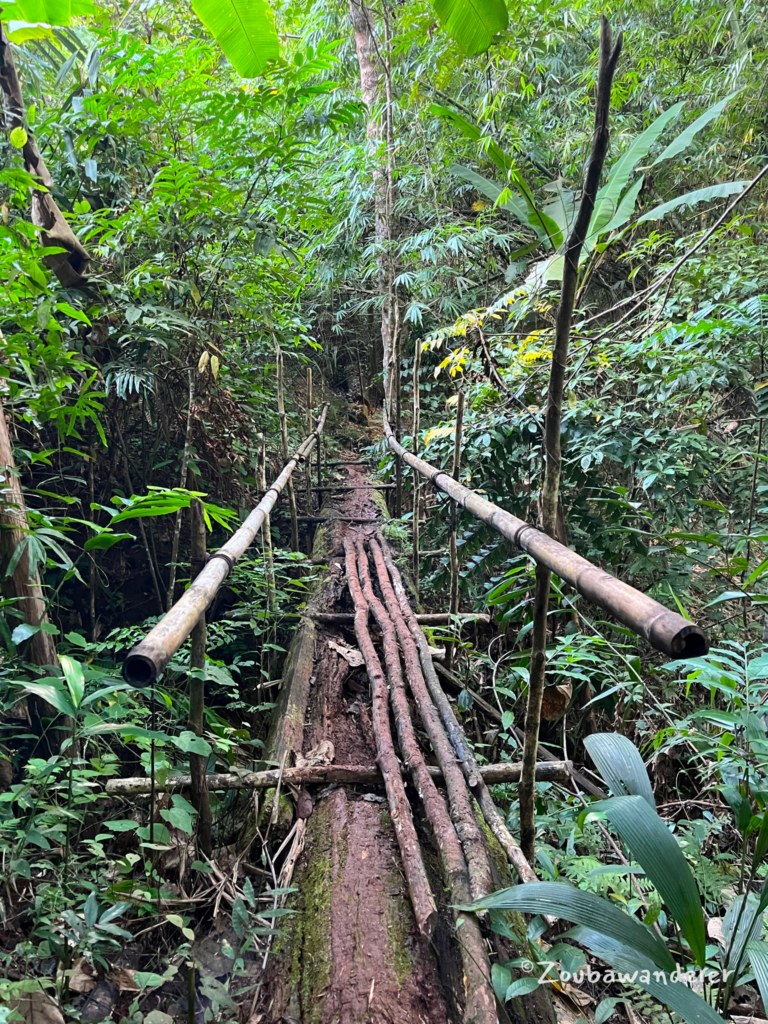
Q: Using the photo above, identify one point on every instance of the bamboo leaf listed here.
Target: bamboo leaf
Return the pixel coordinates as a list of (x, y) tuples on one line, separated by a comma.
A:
[(244, 29), (685, 138), (699, 195), (55, 695)]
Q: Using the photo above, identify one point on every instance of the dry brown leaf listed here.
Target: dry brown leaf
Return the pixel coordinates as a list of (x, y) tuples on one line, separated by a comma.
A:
[(37, 1008), (351, 655), (124, 979), (555, 701), (81, 977), (715, 930), (323, 753)]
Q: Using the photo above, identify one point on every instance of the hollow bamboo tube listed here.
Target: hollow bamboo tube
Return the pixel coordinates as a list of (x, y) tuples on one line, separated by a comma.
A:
[(147, 660), (199, 791), (423, 902), (662, 628)]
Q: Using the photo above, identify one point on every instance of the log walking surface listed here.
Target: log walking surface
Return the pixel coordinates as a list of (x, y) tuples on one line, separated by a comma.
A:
[(380, 868)]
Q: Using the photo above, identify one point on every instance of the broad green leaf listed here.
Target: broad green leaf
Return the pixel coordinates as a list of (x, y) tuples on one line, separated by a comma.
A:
[(559, 899), (23, 632), (105, 540), (639, 970), (73, 674), (761, 846), (699, 195), (758, 958), (622, 216), (188, 743), (18, 138), (501, 978), (521, 987), (91, 910), (472, 23), (179, 818), (618, 761), (55, 695), (741, 807), (244, 29), (685, 138), (607, 202), (656, 849), (76, 314), (742, 924)]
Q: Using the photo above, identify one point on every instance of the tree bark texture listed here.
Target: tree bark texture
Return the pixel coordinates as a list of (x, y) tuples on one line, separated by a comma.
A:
[(363, 26), (70, 265)]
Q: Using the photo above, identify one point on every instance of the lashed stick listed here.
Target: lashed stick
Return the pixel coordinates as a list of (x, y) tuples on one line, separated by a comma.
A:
[(413, 865)]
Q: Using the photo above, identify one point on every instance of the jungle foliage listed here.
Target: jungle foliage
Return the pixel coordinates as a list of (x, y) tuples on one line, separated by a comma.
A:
[(218, 171)]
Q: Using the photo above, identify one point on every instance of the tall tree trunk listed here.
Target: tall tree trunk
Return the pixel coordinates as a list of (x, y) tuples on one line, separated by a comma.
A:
[(26, 589), (363, 25), (14, 528), (70, 265), (552, 441)]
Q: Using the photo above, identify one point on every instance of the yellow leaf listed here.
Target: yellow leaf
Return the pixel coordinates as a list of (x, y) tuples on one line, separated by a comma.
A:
[(479, 205), (203, 364), (18, 138), (437, 432), (194, 291), (215, 366)]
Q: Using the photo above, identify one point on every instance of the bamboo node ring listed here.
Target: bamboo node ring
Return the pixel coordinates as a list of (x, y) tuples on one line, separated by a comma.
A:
[(227, 558)]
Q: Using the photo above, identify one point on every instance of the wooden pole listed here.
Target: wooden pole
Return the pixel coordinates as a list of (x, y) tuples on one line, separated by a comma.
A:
[(665, 630), (308, 468), (454, 554), (266, 529), (284, 434), (318, 775), (182, 483), (552, 439), (422, 900), (146, 661), (416, 430), (201, 800)]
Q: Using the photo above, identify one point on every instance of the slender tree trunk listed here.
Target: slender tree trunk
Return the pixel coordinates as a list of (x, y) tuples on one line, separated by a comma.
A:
[(201, 799), (69, 266), (454, 554), (284, 434), (182, 483), (14, 529), (415, 429), (363, 25), (266, 530), (552, 441)]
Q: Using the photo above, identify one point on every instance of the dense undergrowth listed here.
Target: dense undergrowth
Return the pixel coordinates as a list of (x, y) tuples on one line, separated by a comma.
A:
[(225, 218)]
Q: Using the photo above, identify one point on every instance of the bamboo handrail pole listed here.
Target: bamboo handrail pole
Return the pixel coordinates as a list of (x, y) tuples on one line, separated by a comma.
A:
[(145, 662), (316, 775), (422, 900), (472, 771), (663, 629)]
